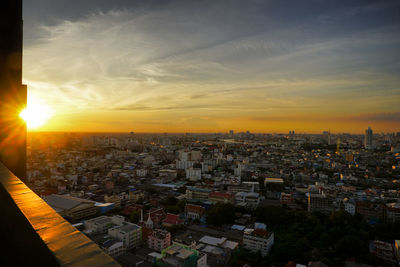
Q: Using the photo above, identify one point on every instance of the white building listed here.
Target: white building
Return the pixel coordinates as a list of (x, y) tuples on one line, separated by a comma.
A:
[(141, 172), (129, 233), (350, 207), (247, 199), (222, 242), (103, 223), (184, 164), (193, 174), (238, 170), (193, 155), (113, 247), (258, 239)]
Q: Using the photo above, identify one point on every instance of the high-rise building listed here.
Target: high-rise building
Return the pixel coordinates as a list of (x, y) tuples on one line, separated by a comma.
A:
[(368, 141), (327, 136)]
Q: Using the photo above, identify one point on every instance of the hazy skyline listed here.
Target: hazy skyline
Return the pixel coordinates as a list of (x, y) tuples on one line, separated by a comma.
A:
[(211, 66)]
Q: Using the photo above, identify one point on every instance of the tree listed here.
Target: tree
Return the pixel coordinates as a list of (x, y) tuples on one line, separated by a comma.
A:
[(221, 213), (171, 201), (135, 216)]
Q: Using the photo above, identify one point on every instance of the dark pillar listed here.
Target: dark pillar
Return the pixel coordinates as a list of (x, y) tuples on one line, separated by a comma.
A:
[(12, 91)]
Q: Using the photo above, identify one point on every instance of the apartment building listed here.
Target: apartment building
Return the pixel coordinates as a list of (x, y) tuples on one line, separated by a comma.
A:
[(129, 233), (159, 239), (258, 239)]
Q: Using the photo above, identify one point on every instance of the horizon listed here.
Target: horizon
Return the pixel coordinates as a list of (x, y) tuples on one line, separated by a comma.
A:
[(226, 132)]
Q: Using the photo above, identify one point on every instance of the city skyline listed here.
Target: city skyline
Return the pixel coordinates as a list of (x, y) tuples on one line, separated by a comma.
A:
[(183, 66)]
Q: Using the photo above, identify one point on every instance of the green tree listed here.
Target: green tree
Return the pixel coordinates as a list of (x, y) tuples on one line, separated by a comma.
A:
[(221, 213), (135, 217)]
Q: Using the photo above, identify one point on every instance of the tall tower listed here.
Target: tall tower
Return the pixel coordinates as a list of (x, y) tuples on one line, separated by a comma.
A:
[(12, 91), (368, 138)]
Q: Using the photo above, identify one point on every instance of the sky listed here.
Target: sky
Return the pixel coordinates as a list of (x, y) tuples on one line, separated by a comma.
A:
[(211, 66)]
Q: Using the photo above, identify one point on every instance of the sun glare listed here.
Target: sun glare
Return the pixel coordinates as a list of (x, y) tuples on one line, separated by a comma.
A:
[(36, 114)]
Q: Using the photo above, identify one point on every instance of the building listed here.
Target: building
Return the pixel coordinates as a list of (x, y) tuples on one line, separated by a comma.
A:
[(371, 211), (193, 155), (193, 174), (183, 164), (135, 195), (237, 171), (383, 250), (159, 240), (113, 247), (258, 239), (393, 212), (71, 207), (195, 193), (113, 199), (129, 233), (194, 212), (168, 174), (218, 250), (221, 197), (368, 139), (273, 181), (171, 220), (287, 199), (243, 187), (321, 203), (155, 217), (247, 199), (350, 207), (104, 207), (178, 255), (141, 172), (103, 223)]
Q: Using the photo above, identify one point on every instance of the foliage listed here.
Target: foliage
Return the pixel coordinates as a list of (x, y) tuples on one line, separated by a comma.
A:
[(175, 229), (135, 217), (182, 190), (302, 237), (221, 213), (170, 201), (174, 205)]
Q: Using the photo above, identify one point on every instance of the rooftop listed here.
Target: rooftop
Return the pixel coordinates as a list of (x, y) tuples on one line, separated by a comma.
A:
[(65, 202), (128, 227)]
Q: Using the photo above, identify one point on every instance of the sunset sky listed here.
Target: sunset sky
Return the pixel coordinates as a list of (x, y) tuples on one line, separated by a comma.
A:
[(212, 66)]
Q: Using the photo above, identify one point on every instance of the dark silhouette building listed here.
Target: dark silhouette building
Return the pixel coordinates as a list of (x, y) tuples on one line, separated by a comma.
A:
[(12, 91)]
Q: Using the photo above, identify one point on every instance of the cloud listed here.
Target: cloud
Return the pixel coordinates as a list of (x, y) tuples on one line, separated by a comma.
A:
[(184, 59), (384, 117)]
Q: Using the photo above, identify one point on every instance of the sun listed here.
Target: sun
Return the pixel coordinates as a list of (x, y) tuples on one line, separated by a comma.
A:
[(36, 113)]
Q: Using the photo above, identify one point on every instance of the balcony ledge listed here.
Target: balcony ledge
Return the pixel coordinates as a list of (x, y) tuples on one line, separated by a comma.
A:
[(35, 234)]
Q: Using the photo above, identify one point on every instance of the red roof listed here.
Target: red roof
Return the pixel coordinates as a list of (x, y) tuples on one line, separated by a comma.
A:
[(156, 215), (220, 195), (132, 208), (194, 208), (173, 219), (260, 232)]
